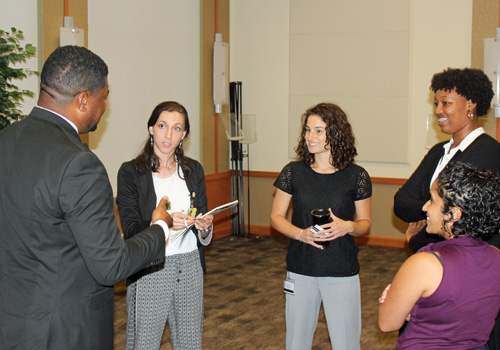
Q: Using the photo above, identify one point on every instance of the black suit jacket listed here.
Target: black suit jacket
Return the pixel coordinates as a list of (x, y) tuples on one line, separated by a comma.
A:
[(483, 152), (136, 199), (61, 250)]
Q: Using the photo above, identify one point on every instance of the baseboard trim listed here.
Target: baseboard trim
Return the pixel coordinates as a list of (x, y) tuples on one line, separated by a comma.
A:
[(382, 241), (368, 240)]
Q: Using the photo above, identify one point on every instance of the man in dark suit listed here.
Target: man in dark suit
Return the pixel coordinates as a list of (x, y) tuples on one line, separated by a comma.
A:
[(61, 250)]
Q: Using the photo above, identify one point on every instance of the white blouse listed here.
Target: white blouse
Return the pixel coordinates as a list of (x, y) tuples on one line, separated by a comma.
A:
[(449, 154), (177, 192)]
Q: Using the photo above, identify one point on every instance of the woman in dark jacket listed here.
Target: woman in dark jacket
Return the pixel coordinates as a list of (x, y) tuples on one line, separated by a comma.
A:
[(461, 96), (173, 292)]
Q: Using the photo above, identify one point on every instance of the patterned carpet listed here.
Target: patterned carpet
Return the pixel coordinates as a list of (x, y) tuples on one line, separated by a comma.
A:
[(245, 304)]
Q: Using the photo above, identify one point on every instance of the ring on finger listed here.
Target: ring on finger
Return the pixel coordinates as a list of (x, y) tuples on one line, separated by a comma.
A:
[(185, 223)]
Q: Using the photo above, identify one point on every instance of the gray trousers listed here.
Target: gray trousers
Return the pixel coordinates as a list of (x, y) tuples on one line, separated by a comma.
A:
[(341, 299), (173, 294)]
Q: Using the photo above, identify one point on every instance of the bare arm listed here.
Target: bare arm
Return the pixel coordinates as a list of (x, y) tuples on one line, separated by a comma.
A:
[(278, 215), (419, 276), (363, 222), (280, 222)]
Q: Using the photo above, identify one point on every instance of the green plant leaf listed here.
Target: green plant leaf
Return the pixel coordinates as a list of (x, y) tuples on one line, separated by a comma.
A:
[(12, 53)]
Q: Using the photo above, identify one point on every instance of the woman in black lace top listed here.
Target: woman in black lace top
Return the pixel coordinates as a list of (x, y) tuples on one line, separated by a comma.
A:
[(325, 176)]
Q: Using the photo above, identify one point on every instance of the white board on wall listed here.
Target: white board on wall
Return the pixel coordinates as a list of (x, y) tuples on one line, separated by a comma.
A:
[(361, 64)]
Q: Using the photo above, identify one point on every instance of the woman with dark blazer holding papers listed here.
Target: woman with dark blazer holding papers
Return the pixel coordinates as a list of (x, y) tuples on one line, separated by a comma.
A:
[(174, 291)]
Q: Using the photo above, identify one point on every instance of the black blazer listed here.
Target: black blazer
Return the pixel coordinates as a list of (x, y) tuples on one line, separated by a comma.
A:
[(136, 199), (61, 249), (483, 152)]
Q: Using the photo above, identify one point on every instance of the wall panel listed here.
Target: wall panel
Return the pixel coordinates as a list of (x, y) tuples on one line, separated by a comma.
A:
[(341, 53)]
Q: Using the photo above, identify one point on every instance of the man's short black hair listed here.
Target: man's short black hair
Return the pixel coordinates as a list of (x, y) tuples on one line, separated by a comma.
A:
[(70, 70)]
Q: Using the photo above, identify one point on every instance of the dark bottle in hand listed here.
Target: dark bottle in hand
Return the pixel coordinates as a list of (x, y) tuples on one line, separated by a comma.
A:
[(321, 217)]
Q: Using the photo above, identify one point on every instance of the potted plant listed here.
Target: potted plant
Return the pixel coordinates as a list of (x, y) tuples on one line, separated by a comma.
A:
[(11, 53)]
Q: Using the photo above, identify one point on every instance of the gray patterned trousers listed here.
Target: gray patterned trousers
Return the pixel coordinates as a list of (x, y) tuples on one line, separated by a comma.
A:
[(173, 294)]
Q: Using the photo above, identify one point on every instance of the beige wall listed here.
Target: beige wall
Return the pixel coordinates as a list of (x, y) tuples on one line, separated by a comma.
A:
[(51, 14), (153, 52), (485, 20), (340, 52), (150, 59), (266, 80), (259, 57), (52, 18), (384, 222), (40, 21), (23, 15), (264, 68), (215, 150)]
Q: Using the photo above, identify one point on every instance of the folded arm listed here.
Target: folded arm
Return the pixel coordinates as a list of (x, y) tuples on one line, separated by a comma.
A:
[(419, 276)]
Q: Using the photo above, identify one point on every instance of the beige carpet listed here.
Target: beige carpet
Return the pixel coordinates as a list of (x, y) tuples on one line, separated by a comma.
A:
[(245, 304)]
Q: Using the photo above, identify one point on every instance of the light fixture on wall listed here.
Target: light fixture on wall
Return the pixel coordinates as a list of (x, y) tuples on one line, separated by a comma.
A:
[(221, 77), (69, 35), (492, 67)]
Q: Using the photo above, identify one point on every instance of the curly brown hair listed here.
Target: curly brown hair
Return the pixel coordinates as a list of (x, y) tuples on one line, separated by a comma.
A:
[(339, 135)]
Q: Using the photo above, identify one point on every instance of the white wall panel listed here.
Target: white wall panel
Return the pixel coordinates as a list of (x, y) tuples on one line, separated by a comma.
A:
[(368, 129), (350, 64), (259, 58), (327, 16), (152, 49), (347, 54), (264, 54)]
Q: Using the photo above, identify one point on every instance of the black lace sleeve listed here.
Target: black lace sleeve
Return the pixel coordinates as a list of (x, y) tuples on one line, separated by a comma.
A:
[(284, 180), (363, 186)]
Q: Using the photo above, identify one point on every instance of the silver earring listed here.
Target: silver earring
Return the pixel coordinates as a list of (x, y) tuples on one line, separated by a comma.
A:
[(151, 140), (180, 144)]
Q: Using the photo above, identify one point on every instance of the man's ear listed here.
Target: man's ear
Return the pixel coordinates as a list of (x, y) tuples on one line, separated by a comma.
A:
[(82, 101)]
